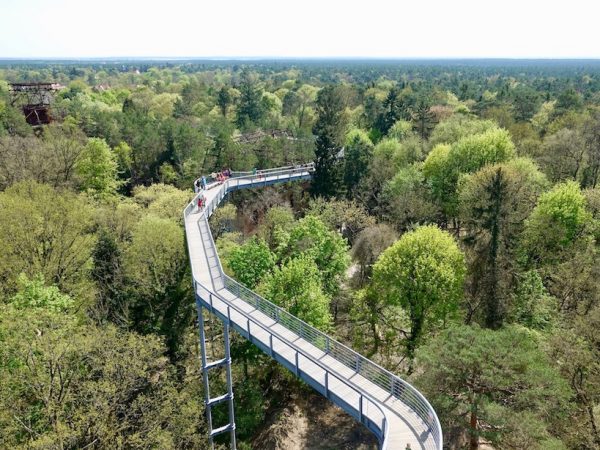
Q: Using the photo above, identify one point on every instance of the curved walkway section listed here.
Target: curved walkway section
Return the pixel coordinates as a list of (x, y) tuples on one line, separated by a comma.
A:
[(387, 405)]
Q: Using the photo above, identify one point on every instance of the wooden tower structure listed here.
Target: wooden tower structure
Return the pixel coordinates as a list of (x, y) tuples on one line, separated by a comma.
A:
[(34, 100)]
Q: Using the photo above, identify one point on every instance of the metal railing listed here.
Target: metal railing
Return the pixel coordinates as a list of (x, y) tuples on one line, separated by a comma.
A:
[(367, 407), (376, 374), (384, 379), (309, 167)]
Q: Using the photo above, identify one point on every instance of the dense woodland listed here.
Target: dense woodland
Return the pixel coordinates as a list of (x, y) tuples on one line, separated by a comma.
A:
[(451, 233)]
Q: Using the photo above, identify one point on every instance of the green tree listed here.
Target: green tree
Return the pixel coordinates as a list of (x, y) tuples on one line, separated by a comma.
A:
[(533, 306), (250, 110), (97, 168), (296, 287), (33, 293), (251, 261), (70, 384), (48, 232), (275, 226), (156, 265), (162, 200), (396, 106), (457, 127), (424, 273), (444, 165), (591, 137), (569, 99), (224, 99), (123, 158), (422, 117), (107, 272), (389, 156), (307, 95), (12, 121), (439, 177), (526, 101), (290, 103), (223, 220), (400, 130), (496, 385), (406, 199), (343, 216), (494, 204), (558, 240), (558, 220), (576, 348), (326, 248), (25, 158), (358, 151), (329, 129)]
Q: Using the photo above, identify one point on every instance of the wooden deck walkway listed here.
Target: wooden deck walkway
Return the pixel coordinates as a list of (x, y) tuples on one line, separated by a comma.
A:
[(390, 408)]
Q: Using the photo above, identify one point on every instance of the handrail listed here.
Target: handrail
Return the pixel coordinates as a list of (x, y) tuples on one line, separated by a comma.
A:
[(376, 374), (281, 315), (246, 174), (306, 355)]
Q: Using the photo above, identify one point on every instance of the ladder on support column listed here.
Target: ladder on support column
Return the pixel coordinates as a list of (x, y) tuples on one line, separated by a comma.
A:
[(209, 401)]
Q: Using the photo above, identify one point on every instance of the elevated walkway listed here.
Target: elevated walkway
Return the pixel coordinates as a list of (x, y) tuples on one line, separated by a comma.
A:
[(387, 405)]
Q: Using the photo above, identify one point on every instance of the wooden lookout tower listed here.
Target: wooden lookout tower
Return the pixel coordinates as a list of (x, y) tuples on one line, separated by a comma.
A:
[(34, 100)]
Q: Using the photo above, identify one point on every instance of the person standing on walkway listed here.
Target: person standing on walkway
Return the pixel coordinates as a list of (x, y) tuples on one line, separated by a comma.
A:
[(201, 202)]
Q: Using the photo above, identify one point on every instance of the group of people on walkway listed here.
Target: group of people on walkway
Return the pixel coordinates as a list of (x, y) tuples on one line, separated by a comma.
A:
[(214, 179), (203, 184), (221, 176), (218, 178)]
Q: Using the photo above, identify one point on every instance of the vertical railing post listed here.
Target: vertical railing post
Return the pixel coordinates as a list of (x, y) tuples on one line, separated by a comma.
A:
[(297, 365), (360, 408)]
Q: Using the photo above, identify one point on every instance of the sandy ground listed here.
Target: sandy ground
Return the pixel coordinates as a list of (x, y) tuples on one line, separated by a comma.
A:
[(310, 422)]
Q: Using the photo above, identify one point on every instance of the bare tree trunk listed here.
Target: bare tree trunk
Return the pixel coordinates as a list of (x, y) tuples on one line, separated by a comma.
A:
[(473, 434)]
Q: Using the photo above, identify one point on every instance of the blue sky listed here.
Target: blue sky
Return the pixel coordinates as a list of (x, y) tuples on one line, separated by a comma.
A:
[(300, 28)]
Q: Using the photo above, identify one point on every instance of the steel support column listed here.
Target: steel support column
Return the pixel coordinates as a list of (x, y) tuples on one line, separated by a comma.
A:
[(228, 397)]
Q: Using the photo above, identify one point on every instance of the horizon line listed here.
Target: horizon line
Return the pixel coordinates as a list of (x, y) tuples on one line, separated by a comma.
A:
[(283, 58)]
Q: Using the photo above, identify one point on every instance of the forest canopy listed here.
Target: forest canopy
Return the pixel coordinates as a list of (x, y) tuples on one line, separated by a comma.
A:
[(450, 233)]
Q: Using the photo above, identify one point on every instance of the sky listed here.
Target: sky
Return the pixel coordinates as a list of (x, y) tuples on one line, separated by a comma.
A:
[(300, 28)]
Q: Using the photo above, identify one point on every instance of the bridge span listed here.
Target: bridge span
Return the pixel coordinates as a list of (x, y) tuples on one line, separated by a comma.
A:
[(388, 406)]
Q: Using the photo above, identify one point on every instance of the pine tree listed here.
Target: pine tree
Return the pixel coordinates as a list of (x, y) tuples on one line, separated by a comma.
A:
[(251, 110), (107, 274), (329, 129)]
